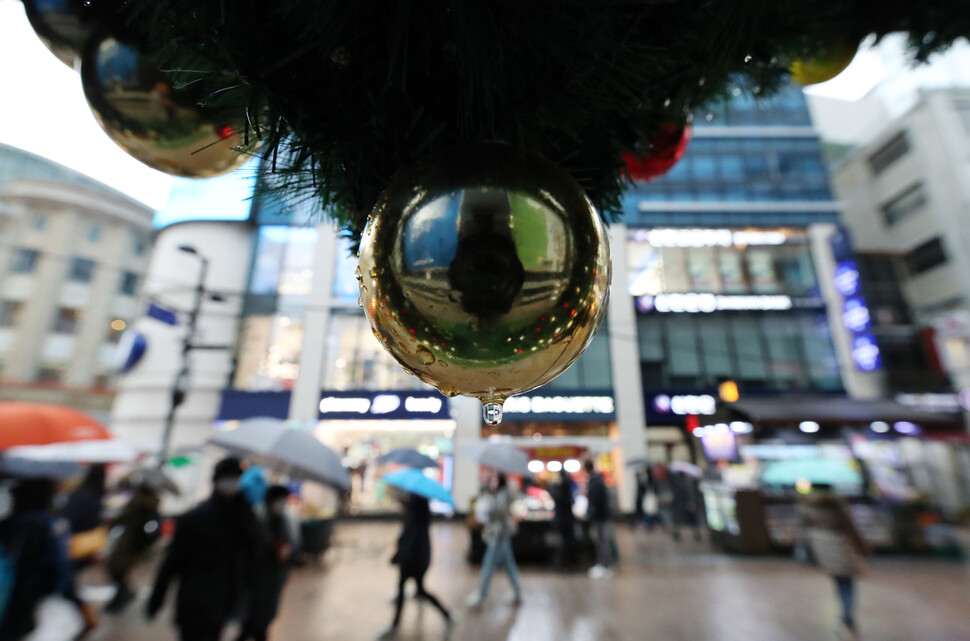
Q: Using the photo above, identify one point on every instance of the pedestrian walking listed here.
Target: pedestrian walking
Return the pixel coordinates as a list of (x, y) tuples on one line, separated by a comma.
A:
[(140, 526), (211, 554), (598, 514), (33, 558), (837, 547), (686, 504), (564, 520), (494, 511), (272, 563), (413, 557), (88, 535)]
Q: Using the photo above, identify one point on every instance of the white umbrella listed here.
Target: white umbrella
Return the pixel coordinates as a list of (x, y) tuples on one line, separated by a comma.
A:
[(687, 468), (94, 451), (296, 453), (501, 457)]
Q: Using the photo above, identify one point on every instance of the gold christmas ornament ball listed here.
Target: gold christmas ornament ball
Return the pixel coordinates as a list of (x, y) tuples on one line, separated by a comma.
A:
[(830, 62), (156, 123), (62, 25), (484, 271)]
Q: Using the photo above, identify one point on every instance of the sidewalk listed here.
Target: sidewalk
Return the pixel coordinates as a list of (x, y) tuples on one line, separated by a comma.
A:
[(663, 592)]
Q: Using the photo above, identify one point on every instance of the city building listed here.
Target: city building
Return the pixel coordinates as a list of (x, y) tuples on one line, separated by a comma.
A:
[(73, 258), (726, 277), (906, 195)]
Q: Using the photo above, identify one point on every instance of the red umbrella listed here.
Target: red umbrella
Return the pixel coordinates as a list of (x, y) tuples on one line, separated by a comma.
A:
[(42, 424)]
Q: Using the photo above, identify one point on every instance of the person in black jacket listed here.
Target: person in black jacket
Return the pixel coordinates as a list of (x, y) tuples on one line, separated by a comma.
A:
[(140, 525), (598, 513), (413, 556), (271, 567), (30, 543), (564, 520), (211, 555)]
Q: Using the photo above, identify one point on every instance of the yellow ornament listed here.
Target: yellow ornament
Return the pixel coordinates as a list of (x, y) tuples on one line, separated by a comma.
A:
[(156, 123), (484, 271), (830, 62)]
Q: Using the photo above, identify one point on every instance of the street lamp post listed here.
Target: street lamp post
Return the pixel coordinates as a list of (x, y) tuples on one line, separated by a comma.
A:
[(181, 378)]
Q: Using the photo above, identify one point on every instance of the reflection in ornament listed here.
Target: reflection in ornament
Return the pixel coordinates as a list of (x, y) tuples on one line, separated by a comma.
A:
[(485, 272), (62, 25), (666, 148), (161, 126)]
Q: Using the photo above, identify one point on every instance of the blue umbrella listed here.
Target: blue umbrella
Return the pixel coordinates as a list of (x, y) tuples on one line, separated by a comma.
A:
[(409, 457), (25, 468), (415, 482)]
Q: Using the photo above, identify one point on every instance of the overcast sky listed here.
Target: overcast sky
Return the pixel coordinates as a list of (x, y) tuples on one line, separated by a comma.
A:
[(44, 110)]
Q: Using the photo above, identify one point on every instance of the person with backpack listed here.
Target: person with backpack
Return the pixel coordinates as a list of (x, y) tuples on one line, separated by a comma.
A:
[(494, 510), (33, 558), (598, 514), (140, 525)]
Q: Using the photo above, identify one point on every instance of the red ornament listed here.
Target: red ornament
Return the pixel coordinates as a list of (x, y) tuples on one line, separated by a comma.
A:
[(666, 148)]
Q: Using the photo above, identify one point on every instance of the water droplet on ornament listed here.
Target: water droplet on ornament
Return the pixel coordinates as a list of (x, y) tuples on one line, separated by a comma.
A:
[(448, 390), (424, 355), (357, 273), (667, 102), (360, 302), (442, 364), (709, 117), (407, 371), (736, 91), (492, 412), (373, 272), (700, 83), (748, 59)]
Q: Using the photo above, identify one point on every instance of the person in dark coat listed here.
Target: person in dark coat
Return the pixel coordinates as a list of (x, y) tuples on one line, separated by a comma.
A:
[(686, 504), (599, 514), (140, 525), (271, 567), (564, 519), (30, 542), (211, 555), (413, 556), (83, 507)]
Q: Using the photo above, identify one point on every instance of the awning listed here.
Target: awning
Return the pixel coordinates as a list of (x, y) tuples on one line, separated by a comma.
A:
[(834, 411)]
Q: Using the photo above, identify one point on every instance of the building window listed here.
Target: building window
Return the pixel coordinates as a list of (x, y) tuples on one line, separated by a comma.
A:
[(81, 270), (102, 381), (39, 222), (893, 150), (50, 374), (94, 233), (25, 261), (67, 320), (140, 247), (904, 204), (925, 257), (129, 284), (10, 312)]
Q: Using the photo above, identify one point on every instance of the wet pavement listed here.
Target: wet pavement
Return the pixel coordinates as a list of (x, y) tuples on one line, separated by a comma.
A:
[(664, 591)]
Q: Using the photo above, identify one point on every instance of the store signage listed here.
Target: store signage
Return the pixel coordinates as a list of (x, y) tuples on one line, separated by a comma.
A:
[(596, 405), (709, 237), (382, 405), (855, 314), (847, 278), (865, 353), (932, 402), (684, 404), (706, 303)]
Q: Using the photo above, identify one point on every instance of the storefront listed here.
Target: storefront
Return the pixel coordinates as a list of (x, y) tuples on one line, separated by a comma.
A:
[(888, 460), (361, 426)]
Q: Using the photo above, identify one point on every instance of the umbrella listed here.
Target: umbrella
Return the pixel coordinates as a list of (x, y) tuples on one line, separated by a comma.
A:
[(153, 478), (501, 457), (409, 457), (269, 442), (415, 482), (687, 468), (16, 467), (96, 451), (639, 462), (41, 424)]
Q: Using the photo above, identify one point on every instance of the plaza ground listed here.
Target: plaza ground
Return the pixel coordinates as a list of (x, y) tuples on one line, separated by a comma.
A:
[(664, 591)]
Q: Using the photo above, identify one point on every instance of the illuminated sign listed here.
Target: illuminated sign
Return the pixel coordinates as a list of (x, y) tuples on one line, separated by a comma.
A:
[(847, 278), (709, 237), (855, 314), (602, 405), (683, 404), (707, 303), (933, 402), (383, 405), (865, 353)]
